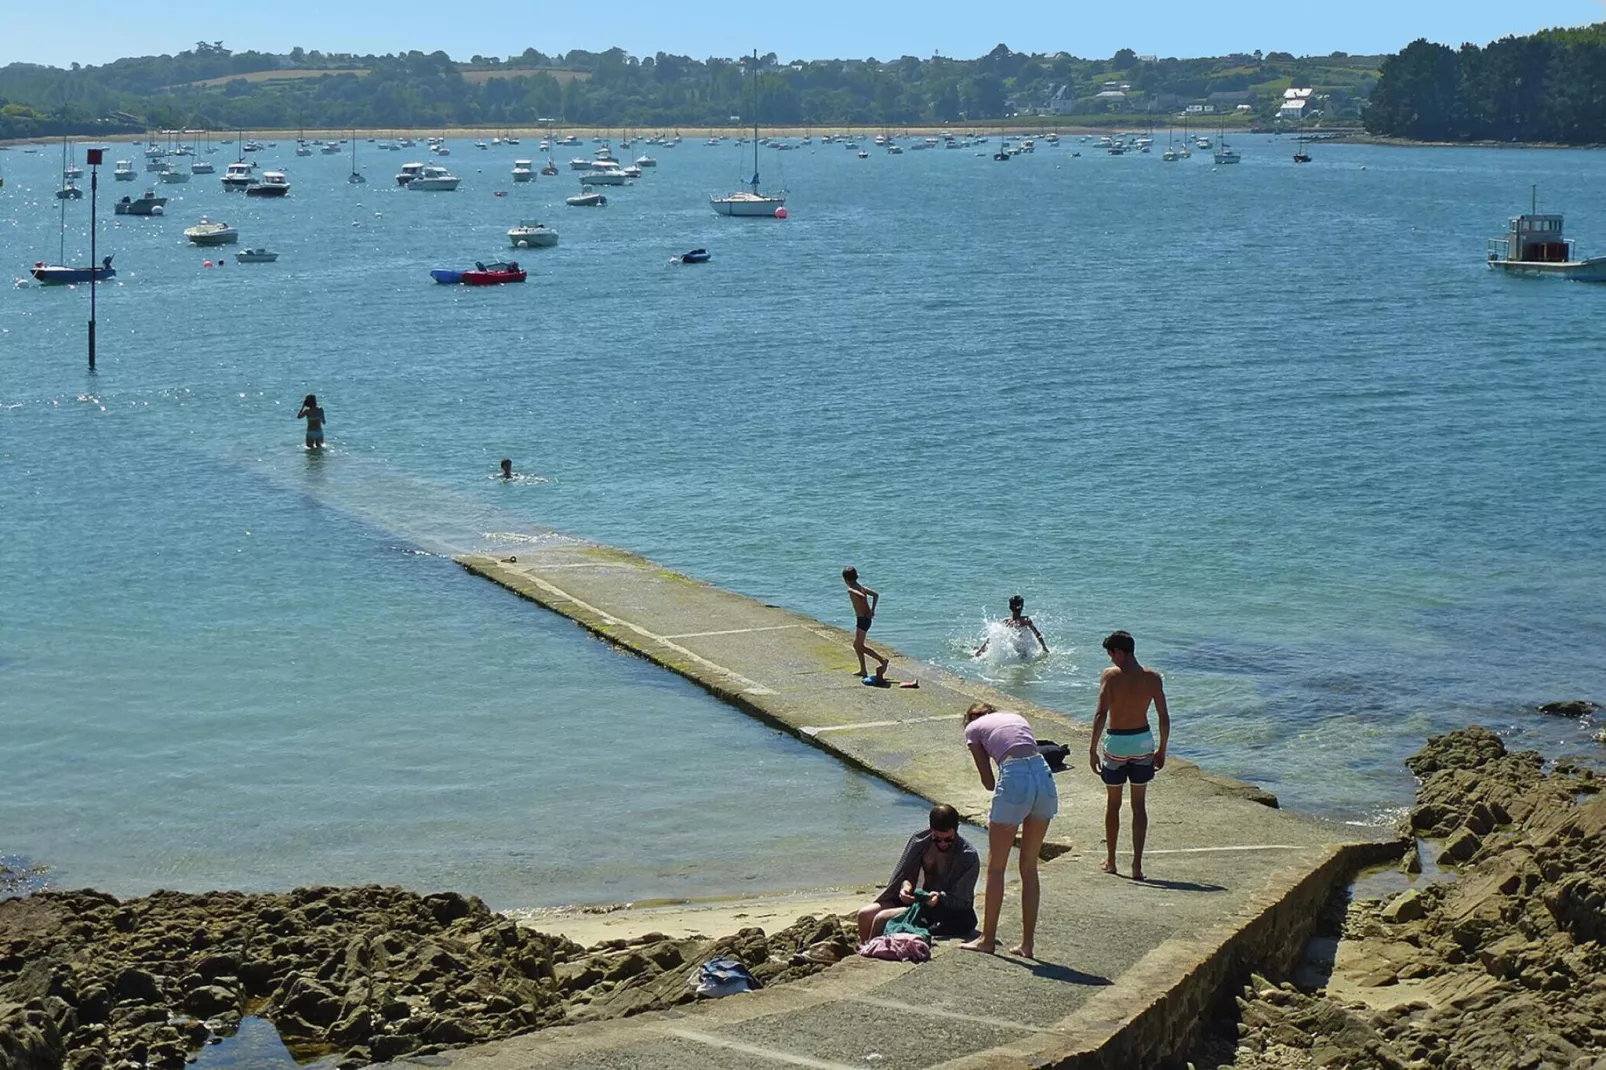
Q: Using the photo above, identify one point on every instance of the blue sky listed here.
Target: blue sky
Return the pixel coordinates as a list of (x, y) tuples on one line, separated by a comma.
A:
[(99, 30)]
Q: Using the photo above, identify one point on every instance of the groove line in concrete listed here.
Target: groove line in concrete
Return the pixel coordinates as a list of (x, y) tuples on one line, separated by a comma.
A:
[(1230, 847), (735, 631), (753, 1049), (817, 730), (753, 687), (943, 1012)]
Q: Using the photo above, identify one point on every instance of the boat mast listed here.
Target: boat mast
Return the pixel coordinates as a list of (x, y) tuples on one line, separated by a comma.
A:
[(61, 255), (755, 122)]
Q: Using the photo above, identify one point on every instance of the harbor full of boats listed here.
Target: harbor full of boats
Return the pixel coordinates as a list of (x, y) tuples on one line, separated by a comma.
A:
[(512, 193)]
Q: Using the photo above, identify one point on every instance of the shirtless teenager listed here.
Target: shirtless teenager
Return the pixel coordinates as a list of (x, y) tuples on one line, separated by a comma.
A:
[(864, 602), (1129, 754)]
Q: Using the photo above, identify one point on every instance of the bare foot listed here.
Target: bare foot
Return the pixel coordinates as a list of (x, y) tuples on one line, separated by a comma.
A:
[(910, 683), (1137, 873), (1023, 950), (1108, 866), (986, 947)]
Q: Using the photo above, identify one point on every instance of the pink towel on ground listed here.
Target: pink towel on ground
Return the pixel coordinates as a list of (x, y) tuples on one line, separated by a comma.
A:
[(899, 947)]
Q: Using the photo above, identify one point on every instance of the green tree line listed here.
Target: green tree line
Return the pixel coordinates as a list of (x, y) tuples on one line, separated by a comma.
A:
[(1548, 87), (210, 86)]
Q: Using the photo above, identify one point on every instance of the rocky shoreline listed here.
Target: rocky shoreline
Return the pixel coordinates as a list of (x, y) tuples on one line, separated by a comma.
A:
[(1499, 967), (89, 982)]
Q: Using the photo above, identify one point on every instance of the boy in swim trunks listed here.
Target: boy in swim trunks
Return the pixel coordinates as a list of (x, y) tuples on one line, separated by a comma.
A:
[(1129, 754), (864, 602)]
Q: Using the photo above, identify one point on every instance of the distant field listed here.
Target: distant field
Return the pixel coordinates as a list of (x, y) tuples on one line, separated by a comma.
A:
[(480, 77), (270, 76)]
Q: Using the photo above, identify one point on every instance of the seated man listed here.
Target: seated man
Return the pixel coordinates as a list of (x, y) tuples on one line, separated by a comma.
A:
[(940, 863)]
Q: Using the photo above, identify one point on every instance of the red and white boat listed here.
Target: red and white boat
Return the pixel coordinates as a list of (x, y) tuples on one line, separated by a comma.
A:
[(483, 274)]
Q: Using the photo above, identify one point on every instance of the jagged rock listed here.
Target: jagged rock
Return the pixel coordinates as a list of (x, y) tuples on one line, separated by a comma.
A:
[(1577, 707), (355, 1028), (1461, 845), (209, 1000), (1407, 906), (626, 967), (388, 1046), (1511, 951), (138, 985), (29, 1040), (310, 1001), (574, 976)]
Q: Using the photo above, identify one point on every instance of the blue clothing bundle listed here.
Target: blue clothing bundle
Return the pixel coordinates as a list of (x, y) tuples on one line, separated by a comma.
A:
[(723, 977)]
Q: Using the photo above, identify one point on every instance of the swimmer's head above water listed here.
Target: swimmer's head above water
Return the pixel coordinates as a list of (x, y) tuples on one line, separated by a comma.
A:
[(1017, 604), (507, 468)]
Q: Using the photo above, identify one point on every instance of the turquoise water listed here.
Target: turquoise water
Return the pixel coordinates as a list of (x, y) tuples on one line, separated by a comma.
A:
[(1342, 483)]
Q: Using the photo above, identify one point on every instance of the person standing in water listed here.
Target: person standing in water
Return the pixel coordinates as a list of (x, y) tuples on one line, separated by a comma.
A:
[(864, 602), (1129, 754), (1018, 622), (507, 468), (313, 414)]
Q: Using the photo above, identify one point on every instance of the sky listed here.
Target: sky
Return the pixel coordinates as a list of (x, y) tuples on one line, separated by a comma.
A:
[(101, 30)]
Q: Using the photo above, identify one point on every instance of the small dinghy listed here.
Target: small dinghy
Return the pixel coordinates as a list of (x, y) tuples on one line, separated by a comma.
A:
[(255, 256), (696, 256), (481, 274), (493, 274)]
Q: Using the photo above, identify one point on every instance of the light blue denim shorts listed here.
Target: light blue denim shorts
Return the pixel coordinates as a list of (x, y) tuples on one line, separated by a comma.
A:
[(1025, 789)]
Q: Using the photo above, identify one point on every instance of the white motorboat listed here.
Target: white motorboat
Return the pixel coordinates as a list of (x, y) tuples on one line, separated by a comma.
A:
[(480, 144), (579, 163), (147, 203), (632, 171), (330, 148), (435, 180), (302, 149), (238, 175), (523, 170), (272, 184), (646, 161), (173, 176), (409, 172), (586, 198), (125, 171), (1534, 246), (255, 256), (207, 232), (202, 167), (605, 173), (532, 236)]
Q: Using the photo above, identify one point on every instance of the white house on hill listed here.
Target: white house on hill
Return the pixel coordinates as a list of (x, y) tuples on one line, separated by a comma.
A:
[(1297, 104)]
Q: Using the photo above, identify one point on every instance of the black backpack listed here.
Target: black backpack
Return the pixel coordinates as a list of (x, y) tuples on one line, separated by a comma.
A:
[(1054, 754)]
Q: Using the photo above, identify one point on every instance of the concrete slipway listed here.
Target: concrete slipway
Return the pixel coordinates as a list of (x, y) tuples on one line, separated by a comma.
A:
[(1124, 969)]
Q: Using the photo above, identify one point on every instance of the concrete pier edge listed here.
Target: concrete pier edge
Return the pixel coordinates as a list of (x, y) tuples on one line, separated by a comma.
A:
[(794, 679)]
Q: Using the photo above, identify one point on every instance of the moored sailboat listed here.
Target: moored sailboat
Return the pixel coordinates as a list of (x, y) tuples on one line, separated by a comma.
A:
[(750, 202)]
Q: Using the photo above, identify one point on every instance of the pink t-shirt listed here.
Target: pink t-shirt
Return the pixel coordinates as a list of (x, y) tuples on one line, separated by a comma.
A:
[(1000, 732)]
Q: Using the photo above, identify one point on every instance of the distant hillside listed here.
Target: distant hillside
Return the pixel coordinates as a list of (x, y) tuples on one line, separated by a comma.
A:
[(1546, 87), (212, 86)]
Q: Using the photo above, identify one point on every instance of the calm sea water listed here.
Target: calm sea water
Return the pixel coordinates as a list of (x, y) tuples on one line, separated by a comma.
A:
[(1342, 483)]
